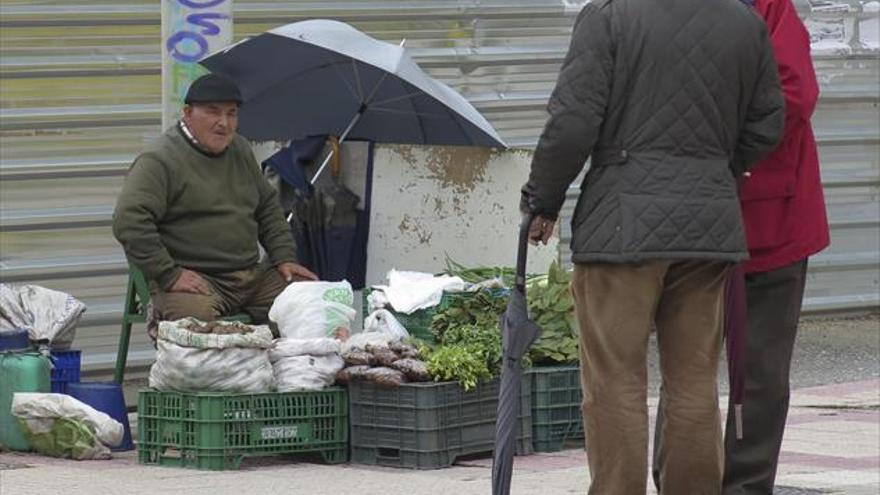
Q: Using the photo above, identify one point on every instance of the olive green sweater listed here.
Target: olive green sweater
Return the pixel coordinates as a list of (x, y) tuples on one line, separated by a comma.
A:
[(182, 207)]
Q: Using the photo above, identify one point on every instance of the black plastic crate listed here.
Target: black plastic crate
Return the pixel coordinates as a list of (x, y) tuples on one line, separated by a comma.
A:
[(556, 407), (428, 425)]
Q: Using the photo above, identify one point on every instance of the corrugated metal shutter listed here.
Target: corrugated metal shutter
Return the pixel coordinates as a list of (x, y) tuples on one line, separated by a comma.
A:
[(80, 95)]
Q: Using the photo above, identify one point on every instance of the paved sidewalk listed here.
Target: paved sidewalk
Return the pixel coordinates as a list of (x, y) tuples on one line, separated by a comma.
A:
[(832, 446)]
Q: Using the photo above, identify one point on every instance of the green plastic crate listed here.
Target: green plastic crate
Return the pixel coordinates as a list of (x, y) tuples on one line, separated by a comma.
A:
[(215, 431), (556, 407), (428, 425)]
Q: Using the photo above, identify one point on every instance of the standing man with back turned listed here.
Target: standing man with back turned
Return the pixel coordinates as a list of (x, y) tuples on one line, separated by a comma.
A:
[(671, 101)]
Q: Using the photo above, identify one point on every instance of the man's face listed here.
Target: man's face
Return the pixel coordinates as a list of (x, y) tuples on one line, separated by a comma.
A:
[(212, 124)]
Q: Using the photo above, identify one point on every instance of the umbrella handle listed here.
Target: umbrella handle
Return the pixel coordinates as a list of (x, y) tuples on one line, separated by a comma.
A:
[(522, 252)]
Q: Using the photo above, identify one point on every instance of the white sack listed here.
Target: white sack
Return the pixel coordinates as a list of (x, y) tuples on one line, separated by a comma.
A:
[(300, 373), (46, 314), (283, 348), (192, 362), (308, 310)]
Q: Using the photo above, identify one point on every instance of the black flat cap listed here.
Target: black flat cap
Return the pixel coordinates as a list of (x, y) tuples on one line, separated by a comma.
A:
[(212, 88)]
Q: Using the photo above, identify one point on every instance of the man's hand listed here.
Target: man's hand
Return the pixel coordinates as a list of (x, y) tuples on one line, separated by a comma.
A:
[(192, 282), (291, 272), (540, 230)]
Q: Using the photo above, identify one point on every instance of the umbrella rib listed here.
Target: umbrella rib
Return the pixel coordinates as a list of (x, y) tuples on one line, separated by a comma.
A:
[(369, 99), (357, 77), (351, 90), (404, 112), (398, 98)]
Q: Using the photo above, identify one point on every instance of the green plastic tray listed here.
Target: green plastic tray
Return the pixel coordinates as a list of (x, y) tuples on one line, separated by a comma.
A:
[(214, 431)]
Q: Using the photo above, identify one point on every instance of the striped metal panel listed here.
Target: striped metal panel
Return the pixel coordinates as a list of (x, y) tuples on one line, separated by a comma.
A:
[(80, 95)]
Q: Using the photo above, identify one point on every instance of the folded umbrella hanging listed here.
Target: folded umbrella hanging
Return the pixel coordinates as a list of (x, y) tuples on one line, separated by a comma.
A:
[(735, 334), (325, 77), (518, 332)]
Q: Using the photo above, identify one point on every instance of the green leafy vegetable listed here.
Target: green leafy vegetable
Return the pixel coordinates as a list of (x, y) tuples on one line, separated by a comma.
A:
[(463, 363)]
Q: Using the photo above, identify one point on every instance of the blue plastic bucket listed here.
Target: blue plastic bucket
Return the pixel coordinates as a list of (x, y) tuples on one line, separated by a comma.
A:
[(105, 397), (65, 369)]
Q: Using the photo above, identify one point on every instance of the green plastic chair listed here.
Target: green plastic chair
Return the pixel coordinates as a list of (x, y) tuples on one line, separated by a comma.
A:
[(137, 297)]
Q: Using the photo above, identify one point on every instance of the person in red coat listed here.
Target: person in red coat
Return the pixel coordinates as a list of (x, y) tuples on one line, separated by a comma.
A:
[(784, 213)]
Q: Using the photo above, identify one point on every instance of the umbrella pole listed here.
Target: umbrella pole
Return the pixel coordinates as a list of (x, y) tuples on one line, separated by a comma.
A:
[(351, 124)]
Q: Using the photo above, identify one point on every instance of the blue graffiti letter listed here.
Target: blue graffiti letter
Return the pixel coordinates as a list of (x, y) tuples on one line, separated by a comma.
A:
[(193, 4), (172, 45), (204, 20)]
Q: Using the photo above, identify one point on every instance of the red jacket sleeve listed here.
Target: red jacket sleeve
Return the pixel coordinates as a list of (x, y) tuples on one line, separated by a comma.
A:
[(791, 45)]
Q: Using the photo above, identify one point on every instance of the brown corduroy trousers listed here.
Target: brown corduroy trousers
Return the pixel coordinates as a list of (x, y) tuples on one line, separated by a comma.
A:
[(617, 305)]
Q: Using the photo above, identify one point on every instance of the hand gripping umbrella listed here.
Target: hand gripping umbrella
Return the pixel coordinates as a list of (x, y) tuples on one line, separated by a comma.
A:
[(518, 332), (326, 77)]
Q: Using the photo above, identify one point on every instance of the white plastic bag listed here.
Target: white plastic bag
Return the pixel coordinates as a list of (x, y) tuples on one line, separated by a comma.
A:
[(193, 362), (47, 315), (299, 373), (283, 348), (309, 310), (383, 321), (408, 292), (41, 413)]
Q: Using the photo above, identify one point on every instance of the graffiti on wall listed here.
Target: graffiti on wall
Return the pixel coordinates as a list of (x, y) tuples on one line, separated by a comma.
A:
[(191, 30)]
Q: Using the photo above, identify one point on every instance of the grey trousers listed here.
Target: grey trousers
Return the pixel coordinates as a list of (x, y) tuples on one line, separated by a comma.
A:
[(774, 306)]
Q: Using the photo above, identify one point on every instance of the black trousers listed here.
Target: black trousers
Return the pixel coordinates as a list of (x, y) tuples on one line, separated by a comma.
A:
[(774, 301)]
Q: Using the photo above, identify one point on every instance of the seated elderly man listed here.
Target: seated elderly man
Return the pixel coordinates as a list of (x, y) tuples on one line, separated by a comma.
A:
[(193, 210)]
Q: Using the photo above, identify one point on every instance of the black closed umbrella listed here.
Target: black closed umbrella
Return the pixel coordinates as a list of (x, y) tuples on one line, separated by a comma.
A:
[(518, 332)]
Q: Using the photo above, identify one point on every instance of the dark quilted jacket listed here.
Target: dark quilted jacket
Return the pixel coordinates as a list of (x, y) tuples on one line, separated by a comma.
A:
[(670, 99)]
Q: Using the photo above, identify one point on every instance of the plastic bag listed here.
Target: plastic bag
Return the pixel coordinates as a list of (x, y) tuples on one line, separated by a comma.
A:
[(408, 292), (383, 321), (60, 426), (351, 373), (282, 348), (194, 362), (48, 315), (358, 358), (415, 370), (405, 350), (308, 310), (383, 356), (360, 341), (385, 377), (299, 373)]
